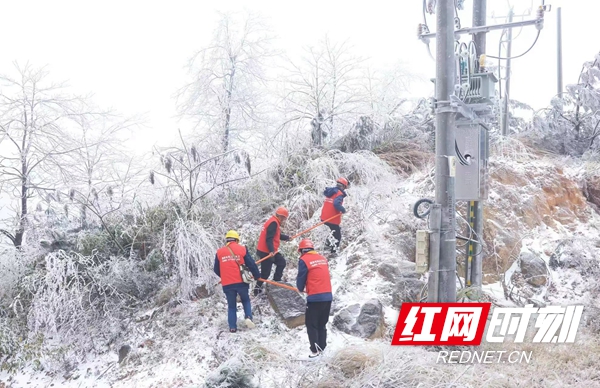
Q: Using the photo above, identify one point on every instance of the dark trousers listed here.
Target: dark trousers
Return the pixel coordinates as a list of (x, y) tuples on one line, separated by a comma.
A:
[(267, 265), (231, 293), (316, 318), (337, 235)]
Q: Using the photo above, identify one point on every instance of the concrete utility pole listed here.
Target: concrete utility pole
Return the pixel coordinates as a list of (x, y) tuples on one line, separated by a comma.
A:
[(443, 219), (475, 208), (469, 114), (479, 19), (559, 67), (506, 109)]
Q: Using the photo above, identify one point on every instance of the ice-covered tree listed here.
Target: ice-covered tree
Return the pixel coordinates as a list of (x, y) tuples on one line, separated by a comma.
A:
[(386, 91), (572, 124), (99, 178), (224, 94), (35, 117), (322, 89)]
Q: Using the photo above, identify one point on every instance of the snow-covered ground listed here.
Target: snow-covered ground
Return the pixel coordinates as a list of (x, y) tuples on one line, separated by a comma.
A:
[(179, 346)]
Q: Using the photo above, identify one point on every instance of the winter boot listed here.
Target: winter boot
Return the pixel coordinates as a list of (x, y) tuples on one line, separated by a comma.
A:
[(249, 323)]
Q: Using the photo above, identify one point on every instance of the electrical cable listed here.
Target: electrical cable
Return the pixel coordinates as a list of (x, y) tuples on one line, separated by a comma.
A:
[(429, 52), (472, 235), (463, 239), (425, 23), (472, 49), (500, 78), (520, 55), (459, 155)]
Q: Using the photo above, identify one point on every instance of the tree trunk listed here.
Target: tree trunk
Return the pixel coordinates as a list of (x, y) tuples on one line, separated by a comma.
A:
[(23, 213), (577, 122), (227, 129), (227, 133), (24, 175)]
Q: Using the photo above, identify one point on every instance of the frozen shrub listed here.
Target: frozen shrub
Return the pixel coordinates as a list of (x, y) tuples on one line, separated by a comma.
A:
[(16, 351), (128, 277), (154, 261), (13, 266), (570, 125), (71, 296), (193, 251), (234, 373), (510, 149), (9, 341)]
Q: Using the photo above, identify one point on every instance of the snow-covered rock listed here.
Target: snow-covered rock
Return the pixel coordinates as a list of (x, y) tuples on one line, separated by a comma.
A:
[(534, 269), (288, 304), (388, 271), (407, 289), (366, 321)]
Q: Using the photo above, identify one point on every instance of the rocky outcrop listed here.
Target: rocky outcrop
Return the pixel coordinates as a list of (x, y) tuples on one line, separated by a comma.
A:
[(388, 271), (124, 351), (202, 292), (523, 198), (394, 271), (533, 269), (407, 290), (370, 322), (366, 321), (346, 318), (591, 190)]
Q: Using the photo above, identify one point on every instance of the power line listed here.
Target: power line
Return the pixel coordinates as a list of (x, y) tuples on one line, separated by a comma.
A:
[(520, 55)]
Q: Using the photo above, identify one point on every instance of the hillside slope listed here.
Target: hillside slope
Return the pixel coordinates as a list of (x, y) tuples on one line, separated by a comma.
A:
[(536, 205)]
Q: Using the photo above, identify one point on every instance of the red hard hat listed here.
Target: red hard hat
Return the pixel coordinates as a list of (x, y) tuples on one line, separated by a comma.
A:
[(343, 181), (305, 244), (281, 211)]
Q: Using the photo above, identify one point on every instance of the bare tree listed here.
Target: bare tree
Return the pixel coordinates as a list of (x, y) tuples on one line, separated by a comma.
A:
[(34, 119), (192, 174), (99, 166), (323, 88), (108, 199), (386, 91), (224, 94)]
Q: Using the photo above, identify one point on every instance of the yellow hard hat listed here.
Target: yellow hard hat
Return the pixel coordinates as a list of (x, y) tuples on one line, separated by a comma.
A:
[(232, 234)]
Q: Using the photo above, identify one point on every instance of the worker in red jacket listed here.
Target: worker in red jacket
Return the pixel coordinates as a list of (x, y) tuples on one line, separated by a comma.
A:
[(313, 274), (268, 244), (334, 205), (227, 266)]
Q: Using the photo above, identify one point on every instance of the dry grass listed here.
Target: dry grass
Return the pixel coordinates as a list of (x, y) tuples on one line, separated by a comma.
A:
[(262, 353), (353, 360), (407, 163), (381, 365), (513, 149), (552, 365)]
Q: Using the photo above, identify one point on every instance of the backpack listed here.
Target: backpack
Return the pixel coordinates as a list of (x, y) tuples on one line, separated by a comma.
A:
[(247, 276)]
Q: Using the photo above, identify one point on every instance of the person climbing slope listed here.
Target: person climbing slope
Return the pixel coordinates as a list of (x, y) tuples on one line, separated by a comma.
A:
[(227, 266), (268, 244), (334, 205), (313, 274)]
